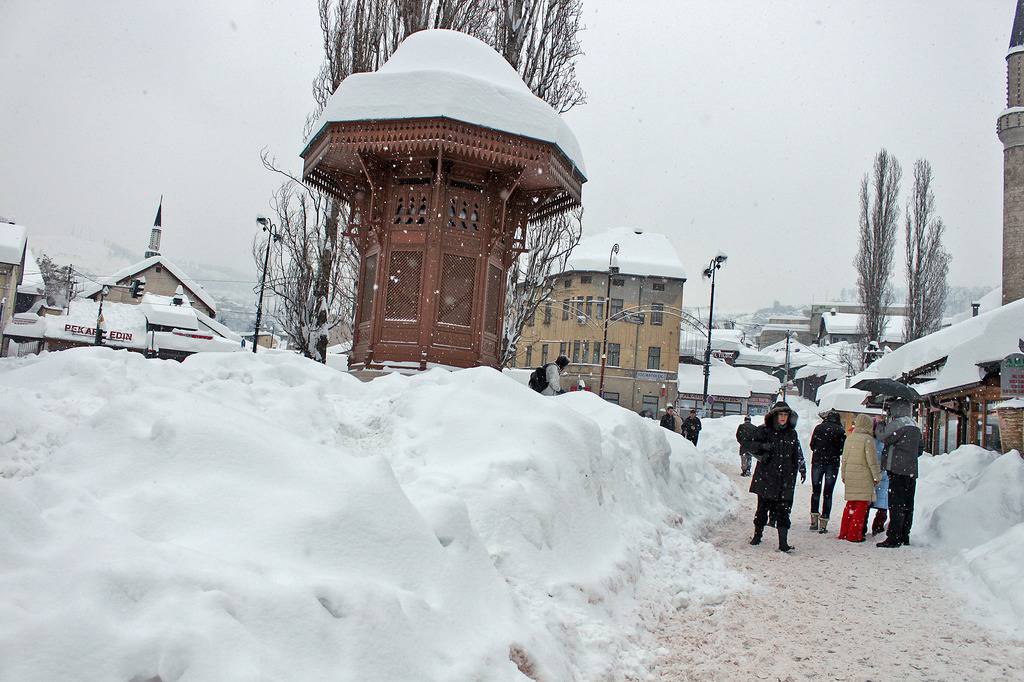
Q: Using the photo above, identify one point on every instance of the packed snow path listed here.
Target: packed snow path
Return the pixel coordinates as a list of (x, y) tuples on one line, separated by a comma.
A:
[(831, 610)]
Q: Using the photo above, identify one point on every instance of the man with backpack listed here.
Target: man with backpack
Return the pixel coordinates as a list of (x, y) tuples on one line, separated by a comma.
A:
[(546, 379)]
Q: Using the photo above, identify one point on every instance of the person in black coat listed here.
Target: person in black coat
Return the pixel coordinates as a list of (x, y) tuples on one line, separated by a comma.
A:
[(827, 442), (779, 459), (691, 427), (745, 436), (669, 420)]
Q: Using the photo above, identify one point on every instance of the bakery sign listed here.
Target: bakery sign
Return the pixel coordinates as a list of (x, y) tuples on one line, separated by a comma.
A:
[(111, 335)]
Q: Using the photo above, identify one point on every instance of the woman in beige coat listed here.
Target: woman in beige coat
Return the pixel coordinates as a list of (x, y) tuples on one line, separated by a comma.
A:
[(860, 473)]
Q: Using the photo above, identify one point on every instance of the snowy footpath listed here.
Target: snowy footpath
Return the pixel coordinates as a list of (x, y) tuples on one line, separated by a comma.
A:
[(841, 611)]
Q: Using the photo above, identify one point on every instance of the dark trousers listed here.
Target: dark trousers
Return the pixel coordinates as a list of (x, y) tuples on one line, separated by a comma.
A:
[(693, 438), (901, 507), (823, 479), (778, 508)]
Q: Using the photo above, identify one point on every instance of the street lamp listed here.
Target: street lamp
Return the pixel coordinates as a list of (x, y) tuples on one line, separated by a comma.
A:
[(272, 236), (716, 264), (612, 270)]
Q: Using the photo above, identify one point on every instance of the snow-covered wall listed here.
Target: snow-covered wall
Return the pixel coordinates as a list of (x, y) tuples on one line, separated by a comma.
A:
[(240, 517)]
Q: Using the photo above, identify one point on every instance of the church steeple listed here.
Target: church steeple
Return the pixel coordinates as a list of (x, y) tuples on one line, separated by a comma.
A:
[(154, 235)]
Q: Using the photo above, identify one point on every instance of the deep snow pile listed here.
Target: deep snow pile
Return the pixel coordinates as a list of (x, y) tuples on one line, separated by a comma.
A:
[(972, 501), (240, 517)]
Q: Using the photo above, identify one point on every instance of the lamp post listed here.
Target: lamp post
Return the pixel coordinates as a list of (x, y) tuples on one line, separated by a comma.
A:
[(272, 236), (612, 270), (716, 264), (98, 341)]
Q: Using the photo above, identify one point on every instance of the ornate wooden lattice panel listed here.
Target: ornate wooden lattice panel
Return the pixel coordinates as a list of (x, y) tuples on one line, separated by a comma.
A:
[(455, 302), (492, 304), (369, 287), (402, 302), (465, 210), (411, 206)]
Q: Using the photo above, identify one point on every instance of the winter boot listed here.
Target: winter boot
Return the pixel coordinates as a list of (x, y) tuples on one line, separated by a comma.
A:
[(878, 525), (756, 540), (823, 524), (814, 521), (784, 545)]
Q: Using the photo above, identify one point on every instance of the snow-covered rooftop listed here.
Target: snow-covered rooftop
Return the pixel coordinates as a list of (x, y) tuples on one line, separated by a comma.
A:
[(989, 337), (725, 380), (986, 303), (440, 73), (760, 382), (162, 311), (848, 324), (92, 288), (32, 277), (640, 253), (12, 243)]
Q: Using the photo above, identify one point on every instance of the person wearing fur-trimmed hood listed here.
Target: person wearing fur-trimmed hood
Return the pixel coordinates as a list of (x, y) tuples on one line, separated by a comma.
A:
[(779, 460)]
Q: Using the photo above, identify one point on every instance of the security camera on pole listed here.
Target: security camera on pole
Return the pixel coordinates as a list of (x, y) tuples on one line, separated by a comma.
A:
[(709, 272)]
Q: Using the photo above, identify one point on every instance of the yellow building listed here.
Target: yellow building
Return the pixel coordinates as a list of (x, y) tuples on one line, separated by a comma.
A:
[(641, 302)]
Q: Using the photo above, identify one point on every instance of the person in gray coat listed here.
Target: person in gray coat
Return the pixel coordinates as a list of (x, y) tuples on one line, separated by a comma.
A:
[(903, 445), (553, 373)]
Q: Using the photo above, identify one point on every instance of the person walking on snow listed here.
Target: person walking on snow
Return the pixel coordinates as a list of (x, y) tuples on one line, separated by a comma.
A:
[(745, 435), (860, 473), (547, 379), (826, 451), (779, 459), (670, 421), (691, 427), (881, 503), (904, 444)]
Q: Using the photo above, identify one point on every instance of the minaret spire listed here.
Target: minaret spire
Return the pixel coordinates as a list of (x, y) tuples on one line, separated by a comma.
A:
[(154, 235), (1010, 127), (1017, 33)]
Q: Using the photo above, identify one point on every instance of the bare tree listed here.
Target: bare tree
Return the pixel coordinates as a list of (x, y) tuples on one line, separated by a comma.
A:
[(59, 281), (303, 218), (550, 242), (879, 216), (926, 258)]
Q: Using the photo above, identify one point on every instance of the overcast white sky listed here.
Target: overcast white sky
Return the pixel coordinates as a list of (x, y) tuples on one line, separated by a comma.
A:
[(739, 126)]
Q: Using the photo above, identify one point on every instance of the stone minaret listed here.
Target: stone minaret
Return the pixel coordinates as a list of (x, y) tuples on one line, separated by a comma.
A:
[(1011, 133), (154, 235)]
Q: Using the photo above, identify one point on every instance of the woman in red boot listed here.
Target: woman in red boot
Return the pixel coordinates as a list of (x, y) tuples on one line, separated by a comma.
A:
[(860, 473)]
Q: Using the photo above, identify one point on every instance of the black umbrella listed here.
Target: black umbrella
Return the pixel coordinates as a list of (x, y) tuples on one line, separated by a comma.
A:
[(888, 387)]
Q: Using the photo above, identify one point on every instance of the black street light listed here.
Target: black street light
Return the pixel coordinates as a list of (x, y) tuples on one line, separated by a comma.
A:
[(612, 270), (272, 236), (716, 264)]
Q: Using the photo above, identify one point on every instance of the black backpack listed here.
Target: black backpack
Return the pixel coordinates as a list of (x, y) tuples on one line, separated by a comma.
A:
[(539, 378)]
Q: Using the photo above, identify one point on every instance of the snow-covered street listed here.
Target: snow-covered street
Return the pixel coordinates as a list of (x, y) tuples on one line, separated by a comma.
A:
[(832, 610)]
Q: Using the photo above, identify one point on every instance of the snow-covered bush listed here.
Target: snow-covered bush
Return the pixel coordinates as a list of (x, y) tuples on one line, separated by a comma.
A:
[(250, 517)]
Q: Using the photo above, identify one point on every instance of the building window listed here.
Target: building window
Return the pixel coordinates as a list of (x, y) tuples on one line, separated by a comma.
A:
[(659, 286), (618, 282), (616, 308), (657, 312), (597, 353), (544, 354), (589, 306), (599, 309), (611, 397), (586, 279), (547, 312), (529, 356), (586, 352), (575, 352), (565, 308), (567, 283), (613, 354), (561, 348), (654, 357)]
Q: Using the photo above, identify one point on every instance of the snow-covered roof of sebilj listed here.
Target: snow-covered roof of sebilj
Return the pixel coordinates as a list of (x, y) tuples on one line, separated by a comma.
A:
[(92, 288), (640, 253), (441, 73), (12, 243), (850, 323)]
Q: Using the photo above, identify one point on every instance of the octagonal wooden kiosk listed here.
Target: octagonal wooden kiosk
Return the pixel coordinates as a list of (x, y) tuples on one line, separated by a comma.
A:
[(439, 210)]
